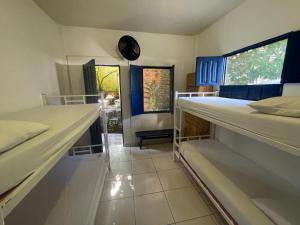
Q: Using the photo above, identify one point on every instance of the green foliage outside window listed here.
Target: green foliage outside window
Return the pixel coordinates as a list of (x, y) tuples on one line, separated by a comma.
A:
[(156, 85), (107, 78), (258, 66)]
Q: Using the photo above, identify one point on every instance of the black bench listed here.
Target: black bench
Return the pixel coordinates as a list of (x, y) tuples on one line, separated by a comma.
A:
[(154, 134)]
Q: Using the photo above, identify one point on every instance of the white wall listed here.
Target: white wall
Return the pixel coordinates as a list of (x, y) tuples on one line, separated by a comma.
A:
[(254, 21), (83, 44), (30, 48), (251, 22)]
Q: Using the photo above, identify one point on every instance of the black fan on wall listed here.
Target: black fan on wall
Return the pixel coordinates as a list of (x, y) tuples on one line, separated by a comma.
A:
[(129, 48)]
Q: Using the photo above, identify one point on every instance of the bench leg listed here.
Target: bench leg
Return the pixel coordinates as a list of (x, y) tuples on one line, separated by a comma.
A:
[(141, 143)]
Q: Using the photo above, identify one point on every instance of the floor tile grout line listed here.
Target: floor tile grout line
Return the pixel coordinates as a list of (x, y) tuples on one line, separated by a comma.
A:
[(156, 172), (195, 218), (178, 168), (134, 214), (156, 192), (134, 196), (165, 196), (191, 186)]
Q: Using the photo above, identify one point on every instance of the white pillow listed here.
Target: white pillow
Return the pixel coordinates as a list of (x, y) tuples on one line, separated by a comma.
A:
[(281, 106), (282, 211), (13, 132)]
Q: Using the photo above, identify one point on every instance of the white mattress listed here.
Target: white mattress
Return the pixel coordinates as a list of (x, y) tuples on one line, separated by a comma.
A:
[(19, 162), (68, 195), (235, 180), (236, 112), (282, 211)]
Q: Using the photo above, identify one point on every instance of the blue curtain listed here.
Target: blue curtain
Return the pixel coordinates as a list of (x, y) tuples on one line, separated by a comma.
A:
[(291, 69)]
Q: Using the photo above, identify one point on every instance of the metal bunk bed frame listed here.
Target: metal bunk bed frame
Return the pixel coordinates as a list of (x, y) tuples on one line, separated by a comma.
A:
[(282, 146), (178, 114), (16, 195), (178, 138)]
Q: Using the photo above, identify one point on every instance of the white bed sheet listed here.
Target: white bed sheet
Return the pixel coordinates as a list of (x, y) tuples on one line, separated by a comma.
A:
[(235, 180), (68, 195), (237, 113), (19, 162)]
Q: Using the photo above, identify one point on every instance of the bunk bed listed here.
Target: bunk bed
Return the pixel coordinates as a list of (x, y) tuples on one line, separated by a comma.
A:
[(233, 182), (24, 166)]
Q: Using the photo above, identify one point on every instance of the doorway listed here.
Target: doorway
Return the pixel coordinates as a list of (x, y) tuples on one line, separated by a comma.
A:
[(108, 82)]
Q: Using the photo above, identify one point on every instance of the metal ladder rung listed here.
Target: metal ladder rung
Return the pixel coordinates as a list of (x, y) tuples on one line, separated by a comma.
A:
[(82, 152), (74, 101), (177, 128)]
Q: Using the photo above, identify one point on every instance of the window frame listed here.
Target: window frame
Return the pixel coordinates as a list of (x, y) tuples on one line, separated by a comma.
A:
[(171, 101), (253, 47)]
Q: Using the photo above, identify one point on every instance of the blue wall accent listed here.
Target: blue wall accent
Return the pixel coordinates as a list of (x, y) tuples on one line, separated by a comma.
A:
[(251, 92)]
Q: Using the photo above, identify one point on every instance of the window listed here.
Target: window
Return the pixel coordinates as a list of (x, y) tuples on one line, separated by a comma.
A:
[(157, 89), (261, 65)]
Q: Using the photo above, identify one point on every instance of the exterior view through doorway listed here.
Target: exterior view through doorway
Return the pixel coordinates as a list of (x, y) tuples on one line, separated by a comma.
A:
[(108, 82)]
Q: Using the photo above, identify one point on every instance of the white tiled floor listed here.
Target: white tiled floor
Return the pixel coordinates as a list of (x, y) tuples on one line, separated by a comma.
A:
[(174, 179), (146, 183), (145, 187)]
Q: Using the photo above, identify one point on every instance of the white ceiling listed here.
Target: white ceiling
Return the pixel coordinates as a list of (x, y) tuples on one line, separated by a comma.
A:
[(155, 16)]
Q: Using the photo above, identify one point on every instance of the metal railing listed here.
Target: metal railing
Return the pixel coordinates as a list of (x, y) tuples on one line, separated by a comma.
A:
[(81, 99)]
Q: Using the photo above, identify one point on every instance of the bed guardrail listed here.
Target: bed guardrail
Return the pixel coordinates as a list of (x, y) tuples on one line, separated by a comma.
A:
[(15, 196), (195, 94), (82, 99), (70, 99), (178, 114)]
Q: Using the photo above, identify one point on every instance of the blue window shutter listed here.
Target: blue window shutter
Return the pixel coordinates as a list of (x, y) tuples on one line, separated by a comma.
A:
[(136, 86), (209, 70)]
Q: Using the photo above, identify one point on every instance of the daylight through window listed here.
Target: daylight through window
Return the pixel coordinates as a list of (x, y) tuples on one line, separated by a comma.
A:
[(257, 66), (157, 89)]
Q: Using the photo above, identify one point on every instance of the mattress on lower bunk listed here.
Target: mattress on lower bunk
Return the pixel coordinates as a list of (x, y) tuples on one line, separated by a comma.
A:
[(21, 161), (235, 180), (69, 194), (236, 112)]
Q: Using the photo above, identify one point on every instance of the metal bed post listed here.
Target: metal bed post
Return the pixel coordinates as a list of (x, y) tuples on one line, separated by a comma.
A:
[(174, 126), (213, 126), (176, 145), (179, 132), (178, 114), (104, 121), (2, 222), (44, 99)]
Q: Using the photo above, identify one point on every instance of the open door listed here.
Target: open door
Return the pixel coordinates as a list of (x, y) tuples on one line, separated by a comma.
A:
[(90, 83), (108, 82)]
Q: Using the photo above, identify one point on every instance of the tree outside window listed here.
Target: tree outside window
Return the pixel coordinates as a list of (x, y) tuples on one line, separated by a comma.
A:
[(257, 66)]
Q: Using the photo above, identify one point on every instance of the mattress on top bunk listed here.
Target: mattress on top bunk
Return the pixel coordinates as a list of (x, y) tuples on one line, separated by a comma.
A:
[(236, 112), (18, 163), (235, 180)]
